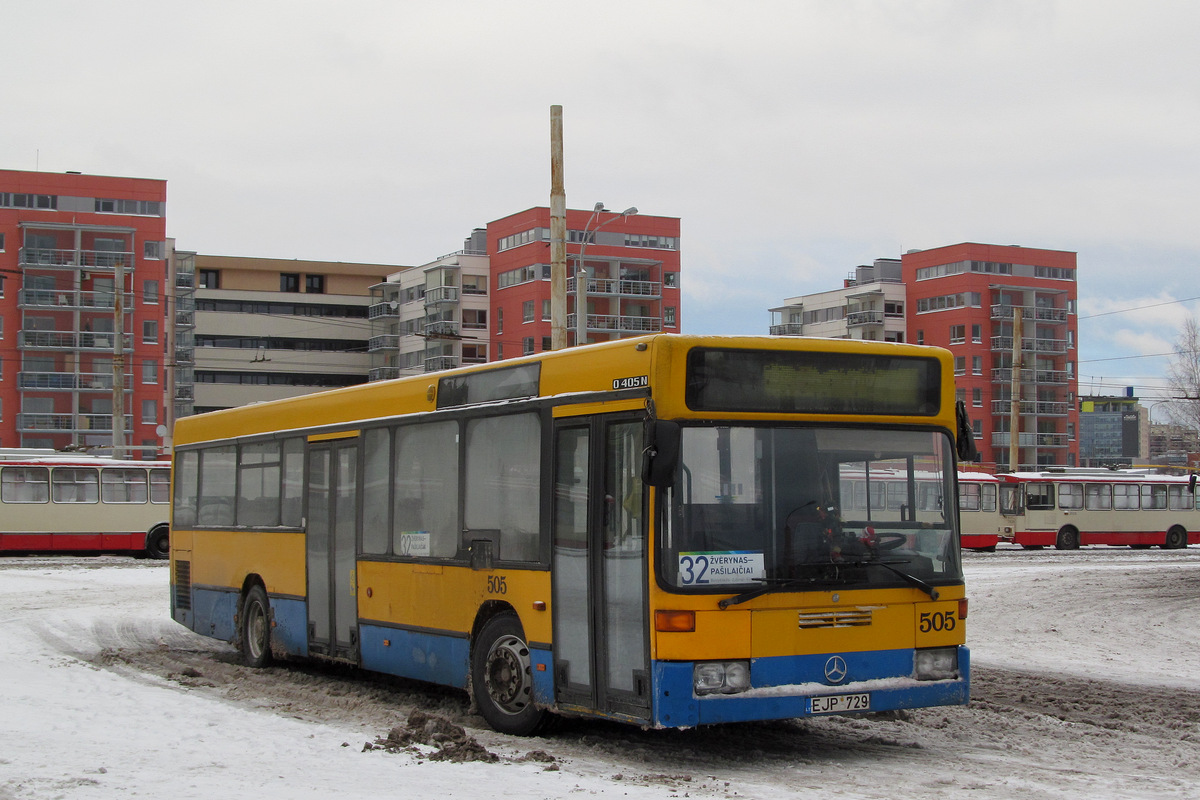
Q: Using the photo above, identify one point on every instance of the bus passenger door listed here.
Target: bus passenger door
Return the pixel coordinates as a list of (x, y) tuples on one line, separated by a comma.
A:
[(601, 651), (330, 549)]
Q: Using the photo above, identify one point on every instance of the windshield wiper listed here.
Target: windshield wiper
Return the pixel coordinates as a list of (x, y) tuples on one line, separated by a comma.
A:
[(773, 585), (770, 586), (909, 578)]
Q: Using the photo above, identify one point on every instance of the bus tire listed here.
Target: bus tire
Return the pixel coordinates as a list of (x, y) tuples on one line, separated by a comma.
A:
[(255, 628), (1068, 539), (1176, 539), (502, 677), (158, 542)]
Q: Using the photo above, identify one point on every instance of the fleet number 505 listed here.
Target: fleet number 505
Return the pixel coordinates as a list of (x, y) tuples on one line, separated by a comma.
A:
[(937, 621)]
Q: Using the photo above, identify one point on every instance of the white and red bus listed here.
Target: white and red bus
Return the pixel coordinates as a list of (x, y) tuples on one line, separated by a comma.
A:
[(883, 493), (60, 502), (1069, 508)]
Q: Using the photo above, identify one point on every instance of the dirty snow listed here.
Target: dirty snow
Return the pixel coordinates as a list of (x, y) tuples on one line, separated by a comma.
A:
[(1086, 685)]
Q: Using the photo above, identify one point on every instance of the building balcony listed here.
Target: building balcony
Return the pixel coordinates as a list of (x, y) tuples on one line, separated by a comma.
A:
[(788, 329), (70, 340), (384, 342), (1038, 313), (439, 363), (383, 373), (1005, 344), (68, 423), (1039, 408), (622, 287), (1004, 439), (70, 381), (185, 355), (860, 318), (92, 260), (185, 280), (388, 308), (69, 299), (441, 295), (185, 394), (1048, 377), (618, 324), (442, 329)]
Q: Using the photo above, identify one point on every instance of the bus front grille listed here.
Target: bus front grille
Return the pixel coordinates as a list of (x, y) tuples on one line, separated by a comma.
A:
[(835, 618)]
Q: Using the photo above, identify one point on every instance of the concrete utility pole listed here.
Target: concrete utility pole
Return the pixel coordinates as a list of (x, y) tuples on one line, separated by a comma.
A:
[(558, 235)]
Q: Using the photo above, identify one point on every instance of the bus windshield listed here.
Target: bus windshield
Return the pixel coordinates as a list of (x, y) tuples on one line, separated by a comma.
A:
[(825, 506)]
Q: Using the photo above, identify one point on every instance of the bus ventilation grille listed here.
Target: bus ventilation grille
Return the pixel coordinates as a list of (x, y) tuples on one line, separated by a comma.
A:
[(839, 618), (183, 585)]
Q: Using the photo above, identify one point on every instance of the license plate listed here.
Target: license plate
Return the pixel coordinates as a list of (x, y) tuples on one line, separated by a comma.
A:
[(841, 703)]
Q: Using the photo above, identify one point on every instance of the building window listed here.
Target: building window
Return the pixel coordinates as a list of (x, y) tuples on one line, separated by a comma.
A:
[(150, 331), (958, 334), (1, 242), (977, 428), (976, 365), (527, 346), (960, 395), (475, 318), (289, 282), (474, 284), (150, 371), (527, 312), (547, 344), (152, 250), (920, 337), (314, 284), (977, 397), (669, 316), (209, 279), (671, 280), (150, 292), (977, 334), (960, 365), (149, 412), (546, 311), (499, 320)]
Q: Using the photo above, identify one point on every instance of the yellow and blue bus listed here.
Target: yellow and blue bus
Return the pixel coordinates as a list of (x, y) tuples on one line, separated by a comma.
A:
[(649, 530)]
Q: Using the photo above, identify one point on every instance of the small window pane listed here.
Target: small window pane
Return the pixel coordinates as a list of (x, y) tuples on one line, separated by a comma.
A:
[(218, 470), (71, 485), (503, 482), (25, 485), (123, 485)]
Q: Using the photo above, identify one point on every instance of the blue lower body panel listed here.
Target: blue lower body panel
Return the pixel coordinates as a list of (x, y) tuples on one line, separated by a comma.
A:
[(419, 655), (784, 688), (214, 612)]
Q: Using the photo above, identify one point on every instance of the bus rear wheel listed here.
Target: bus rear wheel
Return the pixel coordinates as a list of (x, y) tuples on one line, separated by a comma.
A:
[(158, 543), (502, 677), (1068, 539), (1176, 539), (256, 628)]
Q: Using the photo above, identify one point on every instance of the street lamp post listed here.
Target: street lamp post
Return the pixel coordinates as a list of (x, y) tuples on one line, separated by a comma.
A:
[(581, 269)]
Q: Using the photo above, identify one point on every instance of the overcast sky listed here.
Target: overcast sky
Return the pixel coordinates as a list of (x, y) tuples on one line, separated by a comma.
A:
[(795, 139)]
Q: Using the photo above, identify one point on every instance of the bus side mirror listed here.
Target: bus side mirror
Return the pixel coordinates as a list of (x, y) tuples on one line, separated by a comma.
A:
[(660, 453), (965, 436), (1192, 483)]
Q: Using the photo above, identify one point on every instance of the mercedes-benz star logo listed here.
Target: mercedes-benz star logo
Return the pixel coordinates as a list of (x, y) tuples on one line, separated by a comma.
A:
[(835, 669)]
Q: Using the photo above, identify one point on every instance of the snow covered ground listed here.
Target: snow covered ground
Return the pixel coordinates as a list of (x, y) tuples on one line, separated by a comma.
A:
[(1086, 685)]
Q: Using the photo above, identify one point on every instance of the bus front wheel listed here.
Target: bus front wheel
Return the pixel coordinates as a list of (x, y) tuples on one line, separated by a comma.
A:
[(1176, 539), (502, 677), (256, 628), (1068, 539)]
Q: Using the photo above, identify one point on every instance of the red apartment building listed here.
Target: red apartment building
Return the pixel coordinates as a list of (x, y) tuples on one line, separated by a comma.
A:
[(632, 265), (970, 298), (66, 242)]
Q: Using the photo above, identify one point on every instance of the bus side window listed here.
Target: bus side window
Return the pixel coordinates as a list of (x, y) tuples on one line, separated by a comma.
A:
[(503, 476), (1039, 496)]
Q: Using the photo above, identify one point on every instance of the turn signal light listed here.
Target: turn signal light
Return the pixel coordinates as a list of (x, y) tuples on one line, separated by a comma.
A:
[(675, 621)]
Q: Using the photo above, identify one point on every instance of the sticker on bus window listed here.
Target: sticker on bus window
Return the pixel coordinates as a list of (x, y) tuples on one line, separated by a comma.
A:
[(413, 543), (715, 567)]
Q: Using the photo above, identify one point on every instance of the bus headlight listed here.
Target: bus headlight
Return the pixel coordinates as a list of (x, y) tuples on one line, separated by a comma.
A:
[(721, 677), (936, 664)]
